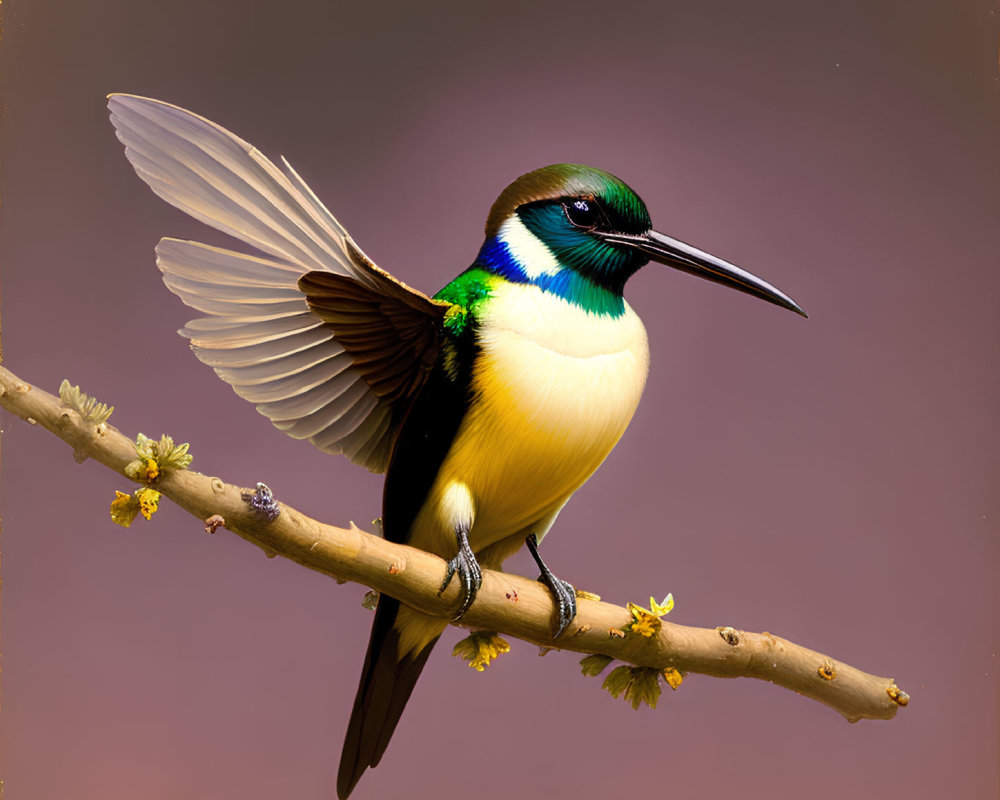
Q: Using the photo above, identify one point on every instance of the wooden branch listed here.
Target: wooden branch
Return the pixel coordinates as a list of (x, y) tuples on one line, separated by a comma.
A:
[(506, 603)]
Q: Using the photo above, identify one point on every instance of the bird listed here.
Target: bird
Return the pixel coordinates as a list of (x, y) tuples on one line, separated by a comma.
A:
[(486, 405)]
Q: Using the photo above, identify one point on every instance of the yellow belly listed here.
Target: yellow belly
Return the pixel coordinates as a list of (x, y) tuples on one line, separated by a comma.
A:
[(555, 387)]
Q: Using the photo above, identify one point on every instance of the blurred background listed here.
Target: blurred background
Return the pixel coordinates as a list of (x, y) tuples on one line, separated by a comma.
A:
[(832, 480)]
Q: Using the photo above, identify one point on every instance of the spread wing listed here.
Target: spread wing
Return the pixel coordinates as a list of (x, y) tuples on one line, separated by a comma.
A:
[(328, 346)]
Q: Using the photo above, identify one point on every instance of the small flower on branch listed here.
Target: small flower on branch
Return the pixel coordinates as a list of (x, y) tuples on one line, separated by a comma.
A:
[(84, 405), (154, 457), (646, 621), (638, 685), (672, 677), (126, 507), (149, 501), (479, 648), (594, 665)]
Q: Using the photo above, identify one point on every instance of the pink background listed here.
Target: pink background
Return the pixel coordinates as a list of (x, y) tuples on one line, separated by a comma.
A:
[(833, 480)]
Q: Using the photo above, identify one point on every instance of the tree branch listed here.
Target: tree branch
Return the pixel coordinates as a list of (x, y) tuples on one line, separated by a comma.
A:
[(506, 603)]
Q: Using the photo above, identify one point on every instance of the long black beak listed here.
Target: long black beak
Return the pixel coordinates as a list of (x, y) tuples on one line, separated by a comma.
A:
[(690, 259)]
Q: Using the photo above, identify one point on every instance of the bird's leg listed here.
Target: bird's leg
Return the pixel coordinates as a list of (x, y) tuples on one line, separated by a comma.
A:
[(564, 593), (469, 574)]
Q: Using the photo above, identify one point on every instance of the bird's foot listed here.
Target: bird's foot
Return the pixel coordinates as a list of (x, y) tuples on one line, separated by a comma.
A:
[(565, 596), (562, 592), (469, 574)]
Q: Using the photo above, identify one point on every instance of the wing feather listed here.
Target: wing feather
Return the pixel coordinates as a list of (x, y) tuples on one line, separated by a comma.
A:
[(300, 404), (335, 415), (339, 367), (281, 387), (225, 182), (293, 365), (264, 350), (225, 267), (224, 332)]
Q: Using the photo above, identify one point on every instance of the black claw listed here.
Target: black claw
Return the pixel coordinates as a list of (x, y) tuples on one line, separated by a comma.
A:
[(565, 597), (469, 573), (562, 592)]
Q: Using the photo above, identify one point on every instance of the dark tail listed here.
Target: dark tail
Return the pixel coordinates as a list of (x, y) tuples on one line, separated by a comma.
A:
[(386, 683)]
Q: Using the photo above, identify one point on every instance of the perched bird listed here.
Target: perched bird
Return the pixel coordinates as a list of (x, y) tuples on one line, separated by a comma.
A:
[(487, 405)]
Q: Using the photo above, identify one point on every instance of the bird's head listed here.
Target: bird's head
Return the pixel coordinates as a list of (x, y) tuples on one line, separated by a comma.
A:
[(582, 233)]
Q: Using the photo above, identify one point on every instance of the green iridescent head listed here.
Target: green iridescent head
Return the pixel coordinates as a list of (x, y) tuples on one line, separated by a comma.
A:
[(566, 182), (566, 208), (580, 232)]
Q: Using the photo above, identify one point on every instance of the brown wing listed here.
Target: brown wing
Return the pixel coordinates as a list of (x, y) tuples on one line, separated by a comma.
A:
[(390, 333)]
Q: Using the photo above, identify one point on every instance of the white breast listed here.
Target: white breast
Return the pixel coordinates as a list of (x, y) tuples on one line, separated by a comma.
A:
[(558, 369), (555, 388)]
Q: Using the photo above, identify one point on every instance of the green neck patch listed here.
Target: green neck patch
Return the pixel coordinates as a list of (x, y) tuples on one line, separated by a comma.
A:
[(465, 293)]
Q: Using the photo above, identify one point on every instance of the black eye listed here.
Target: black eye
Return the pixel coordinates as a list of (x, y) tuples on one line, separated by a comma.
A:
[(582, 212)]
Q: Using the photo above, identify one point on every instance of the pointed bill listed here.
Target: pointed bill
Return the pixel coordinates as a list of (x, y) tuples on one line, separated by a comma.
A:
[(677, 254)]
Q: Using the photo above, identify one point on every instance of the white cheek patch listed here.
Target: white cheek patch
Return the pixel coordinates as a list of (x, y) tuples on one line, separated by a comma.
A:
[(530, 252)]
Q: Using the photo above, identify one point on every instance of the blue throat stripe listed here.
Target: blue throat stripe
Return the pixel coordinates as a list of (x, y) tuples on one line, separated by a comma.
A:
[(496, 257)]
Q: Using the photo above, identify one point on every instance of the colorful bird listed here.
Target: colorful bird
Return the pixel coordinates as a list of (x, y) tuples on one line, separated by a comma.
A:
[(487, 405)]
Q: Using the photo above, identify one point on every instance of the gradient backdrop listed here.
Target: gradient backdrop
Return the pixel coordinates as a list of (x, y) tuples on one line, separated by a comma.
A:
[(833, 480)]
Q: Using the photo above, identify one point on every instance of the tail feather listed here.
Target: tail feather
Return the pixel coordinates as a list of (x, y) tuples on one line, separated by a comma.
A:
[(386, 683)]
